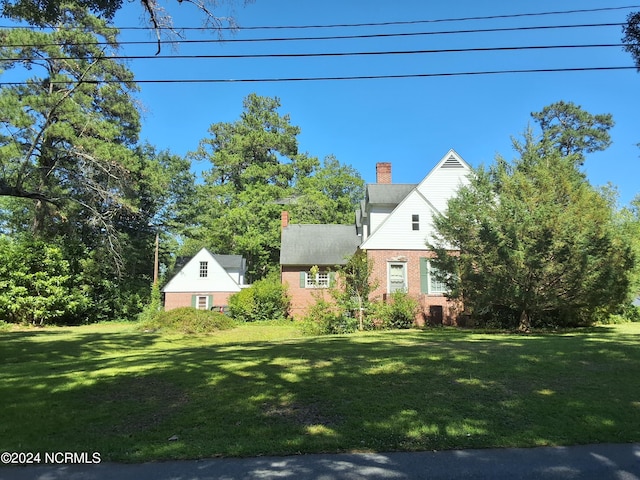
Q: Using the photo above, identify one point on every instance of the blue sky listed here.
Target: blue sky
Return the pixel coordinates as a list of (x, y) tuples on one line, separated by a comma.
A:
[(410, 122)]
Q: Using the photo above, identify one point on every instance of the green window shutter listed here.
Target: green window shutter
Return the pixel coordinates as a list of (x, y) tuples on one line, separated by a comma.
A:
[(210, 301), (424, 275), (303, 279), (332, 278), (194, 300)]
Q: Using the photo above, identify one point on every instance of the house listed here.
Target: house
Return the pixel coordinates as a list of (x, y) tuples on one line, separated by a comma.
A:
[(393, 225), (205, 281), (306, 246)]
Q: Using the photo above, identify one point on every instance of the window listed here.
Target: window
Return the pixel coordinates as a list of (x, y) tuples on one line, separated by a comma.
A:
[(202, 303), (320, 280), (204, 269), (429, 283), (415, 222), (397, 277)]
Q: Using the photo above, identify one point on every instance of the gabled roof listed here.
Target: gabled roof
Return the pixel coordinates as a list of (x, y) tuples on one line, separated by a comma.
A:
[(218, 278), (229, 261), (427, 197), (318, 244), (388, 193)]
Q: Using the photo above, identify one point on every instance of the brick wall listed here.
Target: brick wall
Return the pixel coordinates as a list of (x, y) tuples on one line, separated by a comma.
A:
[(183, 299), (301, 298), (381, 258)]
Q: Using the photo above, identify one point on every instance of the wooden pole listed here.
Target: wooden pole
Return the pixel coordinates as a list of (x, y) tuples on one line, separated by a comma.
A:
[(155, 260)]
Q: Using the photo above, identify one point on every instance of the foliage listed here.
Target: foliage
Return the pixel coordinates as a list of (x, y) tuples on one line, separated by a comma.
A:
[(572, 131), (327, 318), (631, 38), (154, 308), (69, 128), (352, 294), (71, 172), (46, 12), (35, 284), (536, 240), (255, 169), (398, 312), (265, 299), (188, 320)]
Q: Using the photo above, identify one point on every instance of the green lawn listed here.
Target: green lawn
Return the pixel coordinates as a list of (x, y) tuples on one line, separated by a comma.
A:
[(264, 390)]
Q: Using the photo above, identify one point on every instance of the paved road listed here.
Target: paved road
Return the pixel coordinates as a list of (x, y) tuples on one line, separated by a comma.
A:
[(597, 462)]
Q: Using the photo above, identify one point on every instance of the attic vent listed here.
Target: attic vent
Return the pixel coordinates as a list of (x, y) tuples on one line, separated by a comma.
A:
[(452, 162)]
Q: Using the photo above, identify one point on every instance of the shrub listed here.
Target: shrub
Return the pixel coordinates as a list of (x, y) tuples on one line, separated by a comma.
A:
[(189, 320), (154, 307), (266, 299), (326, 318), (399, 312)]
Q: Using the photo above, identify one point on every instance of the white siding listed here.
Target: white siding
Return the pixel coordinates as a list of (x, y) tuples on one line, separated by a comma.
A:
[(188, 279), (397, 232), (394, 230), (377, 215), (442, 183)]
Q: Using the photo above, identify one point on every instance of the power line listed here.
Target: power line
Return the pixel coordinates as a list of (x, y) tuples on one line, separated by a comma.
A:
[(335, 54), (338, 37), (342, 78), (373, 24)]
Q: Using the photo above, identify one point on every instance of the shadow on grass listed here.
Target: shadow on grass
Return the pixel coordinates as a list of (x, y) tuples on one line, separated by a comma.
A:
[(125, 395)]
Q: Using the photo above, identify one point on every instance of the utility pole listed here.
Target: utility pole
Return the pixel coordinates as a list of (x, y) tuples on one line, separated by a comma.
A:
[(155, 260)]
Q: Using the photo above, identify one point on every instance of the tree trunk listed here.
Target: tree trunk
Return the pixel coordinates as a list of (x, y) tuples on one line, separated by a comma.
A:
[(525, 322)]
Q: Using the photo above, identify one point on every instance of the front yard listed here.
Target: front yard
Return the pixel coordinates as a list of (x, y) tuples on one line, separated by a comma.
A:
[(257, 390)]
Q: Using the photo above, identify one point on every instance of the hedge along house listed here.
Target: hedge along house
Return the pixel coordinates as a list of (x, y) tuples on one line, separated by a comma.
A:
[(206, 281), (393, 225)]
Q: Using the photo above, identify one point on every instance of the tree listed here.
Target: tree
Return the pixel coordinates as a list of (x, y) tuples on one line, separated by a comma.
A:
[(535, 241), (356, 285), (68, 131), (47, 12), (631, 37), (255, 169), (572, 131)]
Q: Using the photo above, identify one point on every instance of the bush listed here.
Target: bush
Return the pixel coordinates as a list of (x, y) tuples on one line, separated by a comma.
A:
[(189, 320), (399, 312), (266, 299), (326, 318)]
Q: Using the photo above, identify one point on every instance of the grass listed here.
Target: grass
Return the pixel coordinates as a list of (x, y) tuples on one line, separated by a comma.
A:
[(262, 389)]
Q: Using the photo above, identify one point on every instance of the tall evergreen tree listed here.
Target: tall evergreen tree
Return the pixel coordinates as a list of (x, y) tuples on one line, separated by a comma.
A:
[(536, 242), (255, 169)]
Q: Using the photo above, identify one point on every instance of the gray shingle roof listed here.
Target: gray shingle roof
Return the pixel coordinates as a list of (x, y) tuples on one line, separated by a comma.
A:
[(388, 193), (318, 244), (228, 261)]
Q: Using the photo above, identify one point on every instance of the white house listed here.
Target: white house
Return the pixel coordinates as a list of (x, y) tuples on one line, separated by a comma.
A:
[(206, 281)]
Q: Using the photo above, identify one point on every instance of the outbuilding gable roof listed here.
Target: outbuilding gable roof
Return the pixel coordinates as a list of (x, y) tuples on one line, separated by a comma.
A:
[(318, 244)]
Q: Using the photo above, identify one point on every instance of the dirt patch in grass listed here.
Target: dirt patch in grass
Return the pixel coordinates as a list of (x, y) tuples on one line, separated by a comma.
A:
[(300, 414)]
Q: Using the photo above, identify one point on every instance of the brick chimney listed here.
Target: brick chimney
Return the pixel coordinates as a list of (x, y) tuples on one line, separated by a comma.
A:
[(284, 219), (383, 172)]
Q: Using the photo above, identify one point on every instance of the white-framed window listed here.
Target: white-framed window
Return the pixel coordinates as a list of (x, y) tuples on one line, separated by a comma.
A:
[(319, 280), (397, 276), (202, 302), (415, 222), (429, 281), (204, 269)]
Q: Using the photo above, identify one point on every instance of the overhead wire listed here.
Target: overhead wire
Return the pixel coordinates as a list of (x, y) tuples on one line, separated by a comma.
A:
[(367, 53), (343, 78), (373, 24), (336, 54), (336, 37)]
